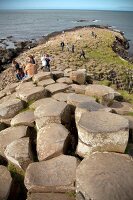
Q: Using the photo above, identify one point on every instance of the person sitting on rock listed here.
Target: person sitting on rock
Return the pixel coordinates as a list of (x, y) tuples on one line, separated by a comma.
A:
[(32, 59), (30, 70), (18, 70), (82, 54)]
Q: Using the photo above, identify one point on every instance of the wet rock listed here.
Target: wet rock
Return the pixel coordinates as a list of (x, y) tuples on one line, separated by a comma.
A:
[(50, 141), (54, 175), (19, 153), (10, 108), (102, 131), (9, 135), (102, 176), (5, 183), (25, 118)]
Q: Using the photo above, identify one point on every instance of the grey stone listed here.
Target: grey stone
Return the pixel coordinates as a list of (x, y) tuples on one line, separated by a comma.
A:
[(79, 89), (61, 96), (10, 108), (64, 80), (51, 196), (25, 118), (50, 141), (122, 108), (5, 183), (31, 93), (9, 135), (57, 87), (19, 153), (102, 131), (105, 176), (9, 89), (78, 77), (55, 112), (41, 76), (54, 175), (46, 82), (75, 99), (44, 101)]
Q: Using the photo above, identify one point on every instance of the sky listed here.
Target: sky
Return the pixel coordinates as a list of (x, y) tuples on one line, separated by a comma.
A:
[(126, 5)]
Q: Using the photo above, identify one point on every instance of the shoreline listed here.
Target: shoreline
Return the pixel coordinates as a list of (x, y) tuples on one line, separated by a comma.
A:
[(25, 45)]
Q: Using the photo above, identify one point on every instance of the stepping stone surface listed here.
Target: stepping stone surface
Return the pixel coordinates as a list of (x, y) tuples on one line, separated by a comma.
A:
[(57, 87), (105, 176), (51, 196)]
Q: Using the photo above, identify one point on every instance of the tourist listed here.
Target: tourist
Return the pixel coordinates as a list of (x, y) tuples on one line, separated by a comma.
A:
[(73, 47), (30, 70), (32, 59), (18, 70), (62, 44), (67, 46), (43, 62), (47, 59), (82, 54)]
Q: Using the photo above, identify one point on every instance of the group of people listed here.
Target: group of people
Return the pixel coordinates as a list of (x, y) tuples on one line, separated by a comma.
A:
[(82, 52), (25, 71), (30, 68)]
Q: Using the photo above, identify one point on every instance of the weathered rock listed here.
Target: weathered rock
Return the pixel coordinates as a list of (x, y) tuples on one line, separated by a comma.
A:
[(57, 112), (2, 94), (122, 108), (79, 89), (10, 108), (61, 96), (50, 141), (89, 106), (67, 72), (75, 99), (8, 97), (51, 196), (9, 135), (100, 91), (78, 77), (54, 175), (130, 119), (57, 74), (9, 89), (105, 176), (19, 153), (102, 131), (25, 85), (46, 82), (30, 94), (25, 118), (41, 76), (5, 183), (64, 80), (44, 101), (57, 87)]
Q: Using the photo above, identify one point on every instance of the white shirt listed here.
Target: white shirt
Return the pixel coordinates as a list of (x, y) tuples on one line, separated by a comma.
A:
[(43, 61)]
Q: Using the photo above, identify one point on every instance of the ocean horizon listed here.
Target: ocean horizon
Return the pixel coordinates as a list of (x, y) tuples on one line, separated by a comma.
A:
[(31, 24)]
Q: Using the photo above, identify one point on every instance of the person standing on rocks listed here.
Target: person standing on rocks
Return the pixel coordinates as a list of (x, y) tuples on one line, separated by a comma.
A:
[(18, 70), (62, 44), (47, 59), (73, 48), (82, 54)]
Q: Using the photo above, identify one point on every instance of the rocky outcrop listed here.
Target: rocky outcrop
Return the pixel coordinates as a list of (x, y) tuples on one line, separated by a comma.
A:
[(19, 153), (41, 76), (78, 76), (46, 82), (102, 131), (5, 183), (55, 175), (64, 80), (51, 141), (25, 118), (102, 176)]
